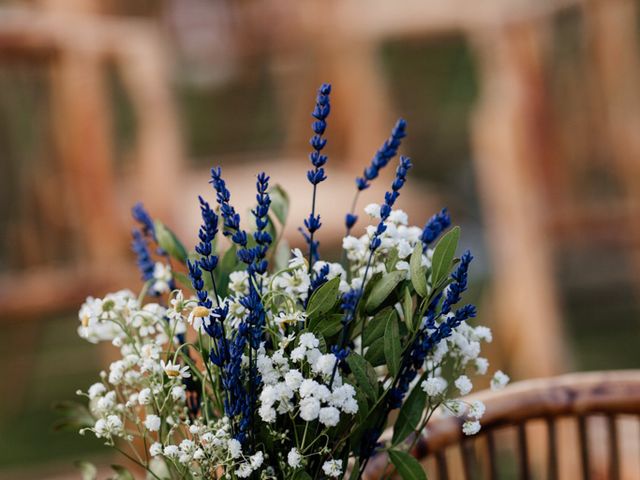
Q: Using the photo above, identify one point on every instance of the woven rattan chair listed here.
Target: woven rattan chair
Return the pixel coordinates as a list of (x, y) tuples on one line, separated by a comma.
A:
[(583, 425)]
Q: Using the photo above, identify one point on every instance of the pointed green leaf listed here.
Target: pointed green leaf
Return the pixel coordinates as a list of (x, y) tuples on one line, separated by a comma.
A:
[(407, 309), (279, 203), (443, 255), (122, 473), (282, 255), (418, 272), (410, 414), (169, 242), (88, 471), (364, 374), (392, 348), (355, 471), (324, 298), (183, 279), (408, 467), (375, 353), (301, 475), (326, 325), (374, 328), (382, 289)]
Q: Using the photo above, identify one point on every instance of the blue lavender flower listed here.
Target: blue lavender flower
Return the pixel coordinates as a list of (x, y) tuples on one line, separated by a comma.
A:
[(379, 161), (434, 227), (207, 234), (351, 299), (261, 214), (383, 156), (141, 216), (318, 160), (455, 289), (390, 198), (195, 275), (143, 256), (320, 278), (231, 219)]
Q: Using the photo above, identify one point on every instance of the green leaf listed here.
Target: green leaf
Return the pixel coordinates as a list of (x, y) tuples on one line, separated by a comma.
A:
[(326, 325), (391, 259), (355, 471), (443, 255), (183, 279), (364, 374), (392, 348), (363, 404), (282, 255), (375, 353), (279, 203), (88, 471), (407, 309), (418, 271), (301, 475), (324, 298), (375, 327), (122, 473), (169, 242), (382, 289), (408, 467), (74, 416), (410, 414), (228, 263)]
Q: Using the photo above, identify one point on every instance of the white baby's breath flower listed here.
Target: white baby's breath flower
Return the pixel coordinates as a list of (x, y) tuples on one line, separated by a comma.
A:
[(152, 423), (144, 397), (293, 379), (463, 384), (294, 458), (499, 380), (329, 416), (332, 468), (235, 449), (309, 409), (373, 210), (483, 333), (434, 386), (96, 390), (155, 449), (471, 427), (178, 393), (482, 365), (171, 451), (324, 364), (476, 410)]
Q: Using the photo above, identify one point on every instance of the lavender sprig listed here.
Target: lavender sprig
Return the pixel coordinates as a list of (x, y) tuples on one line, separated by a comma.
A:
[(380, 160), (434, 227), (143, 256), (141, 216), (351, 299), (317, 175)]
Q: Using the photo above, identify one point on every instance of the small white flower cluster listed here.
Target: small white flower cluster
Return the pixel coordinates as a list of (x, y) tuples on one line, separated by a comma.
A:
[(291, 384), (398, 237), (462, 349)]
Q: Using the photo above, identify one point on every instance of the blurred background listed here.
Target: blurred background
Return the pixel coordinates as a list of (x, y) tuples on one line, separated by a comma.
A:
[(523, 119)]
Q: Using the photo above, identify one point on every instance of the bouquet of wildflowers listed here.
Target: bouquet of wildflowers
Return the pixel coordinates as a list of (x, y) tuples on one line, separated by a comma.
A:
[(266, 363)]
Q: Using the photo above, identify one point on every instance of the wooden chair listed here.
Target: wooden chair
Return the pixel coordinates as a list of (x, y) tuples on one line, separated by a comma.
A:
[(582, 425)]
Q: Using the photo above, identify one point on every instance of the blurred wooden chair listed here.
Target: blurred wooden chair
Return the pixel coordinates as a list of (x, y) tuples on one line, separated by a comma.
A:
[(582, 425), (79, 46)]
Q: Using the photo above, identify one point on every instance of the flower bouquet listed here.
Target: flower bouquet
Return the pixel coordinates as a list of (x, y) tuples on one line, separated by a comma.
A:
[(266, 363)]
